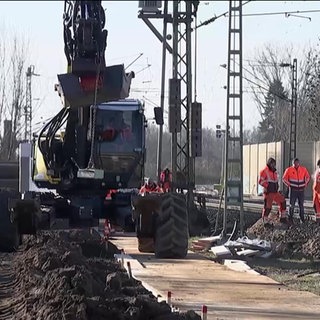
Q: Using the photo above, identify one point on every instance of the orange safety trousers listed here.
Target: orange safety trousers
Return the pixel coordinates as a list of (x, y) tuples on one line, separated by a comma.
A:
[(316, 194), (269, 199), (316, 204), (166, 186)]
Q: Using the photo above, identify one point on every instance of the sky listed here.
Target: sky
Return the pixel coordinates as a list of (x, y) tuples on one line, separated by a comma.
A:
[(40, 22)]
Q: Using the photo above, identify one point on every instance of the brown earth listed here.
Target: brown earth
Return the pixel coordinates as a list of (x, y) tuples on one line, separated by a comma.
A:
[(294, 241), (70, 276)]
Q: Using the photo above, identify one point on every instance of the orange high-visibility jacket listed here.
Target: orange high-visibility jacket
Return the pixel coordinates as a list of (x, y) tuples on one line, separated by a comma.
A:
[(145, 189), (296, 178), (316, 183), (269, 180), (165, 177)]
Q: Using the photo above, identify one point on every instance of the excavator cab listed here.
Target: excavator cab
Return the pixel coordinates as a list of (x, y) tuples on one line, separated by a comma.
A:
[(120, 143)]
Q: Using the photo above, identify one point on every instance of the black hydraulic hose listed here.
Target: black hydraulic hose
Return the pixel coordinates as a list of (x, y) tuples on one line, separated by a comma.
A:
[(41, 134), (57, 125), (49, 131)]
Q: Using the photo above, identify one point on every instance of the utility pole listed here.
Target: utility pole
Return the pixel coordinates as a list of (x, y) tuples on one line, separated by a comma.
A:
[(184, 115), (28, 106), (293, 115), (233, 157), (163, 75), (293, 111), (221, 133)]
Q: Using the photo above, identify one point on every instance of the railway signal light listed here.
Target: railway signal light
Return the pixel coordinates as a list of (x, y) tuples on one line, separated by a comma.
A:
[(218, 131)]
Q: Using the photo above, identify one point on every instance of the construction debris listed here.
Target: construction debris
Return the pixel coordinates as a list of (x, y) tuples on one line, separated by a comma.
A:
[(276, 239), (221, 252), (204, 244), (242, 247), (238, 265), (283, 240), (246, 243)]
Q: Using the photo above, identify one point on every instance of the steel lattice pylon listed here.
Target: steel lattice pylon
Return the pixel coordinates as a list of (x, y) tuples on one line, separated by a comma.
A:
[(183, 163), (184, 115), (233, 179), (293, 113), (28, 106)]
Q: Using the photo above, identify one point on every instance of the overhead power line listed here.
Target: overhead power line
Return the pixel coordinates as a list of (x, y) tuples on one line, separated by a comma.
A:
[(267, 90), (225, 14), (286, 13), (262, 87)]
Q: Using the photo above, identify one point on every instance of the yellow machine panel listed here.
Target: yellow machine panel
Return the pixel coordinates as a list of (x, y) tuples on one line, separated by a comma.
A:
[(40, 169)]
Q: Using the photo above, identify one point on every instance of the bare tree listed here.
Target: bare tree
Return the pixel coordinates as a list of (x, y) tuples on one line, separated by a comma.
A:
[(312, 93), (13, 66), (270, 77), (269, 93)]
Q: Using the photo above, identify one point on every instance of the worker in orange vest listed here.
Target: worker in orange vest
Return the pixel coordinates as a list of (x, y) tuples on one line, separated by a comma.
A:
[(296, 178), (150, 187), (268, 179), (165, 179), (316, 192)]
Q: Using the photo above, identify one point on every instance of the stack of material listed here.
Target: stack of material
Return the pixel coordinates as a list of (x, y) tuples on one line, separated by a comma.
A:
[(242, 247), (204, 244), (247, 248)]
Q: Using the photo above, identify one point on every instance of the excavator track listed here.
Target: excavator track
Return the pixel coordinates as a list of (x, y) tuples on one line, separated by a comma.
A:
[(11, 307)]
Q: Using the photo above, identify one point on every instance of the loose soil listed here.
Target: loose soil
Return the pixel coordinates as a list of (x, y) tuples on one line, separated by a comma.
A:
[(69, 275)]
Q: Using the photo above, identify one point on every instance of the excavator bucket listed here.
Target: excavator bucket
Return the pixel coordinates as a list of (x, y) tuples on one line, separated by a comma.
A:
[(113, 84)]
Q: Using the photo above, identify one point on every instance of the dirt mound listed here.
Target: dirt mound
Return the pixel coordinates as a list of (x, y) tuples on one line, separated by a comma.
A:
[(296, 240), (68, 275)]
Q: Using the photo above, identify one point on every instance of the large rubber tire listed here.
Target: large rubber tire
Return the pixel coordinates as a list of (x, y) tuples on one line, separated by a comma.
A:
[(10, 239), (172, 233)]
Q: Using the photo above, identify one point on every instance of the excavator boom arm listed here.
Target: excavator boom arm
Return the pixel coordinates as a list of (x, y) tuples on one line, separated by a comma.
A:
[(84, 35)]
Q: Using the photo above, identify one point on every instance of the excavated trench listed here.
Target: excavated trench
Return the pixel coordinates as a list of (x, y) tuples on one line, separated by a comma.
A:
[(71, 275)]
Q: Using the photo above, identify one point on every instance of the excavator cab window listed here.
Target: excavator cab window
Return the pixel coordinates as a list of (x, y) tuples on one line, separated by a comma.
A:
[(108, 131), (119, 130)]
